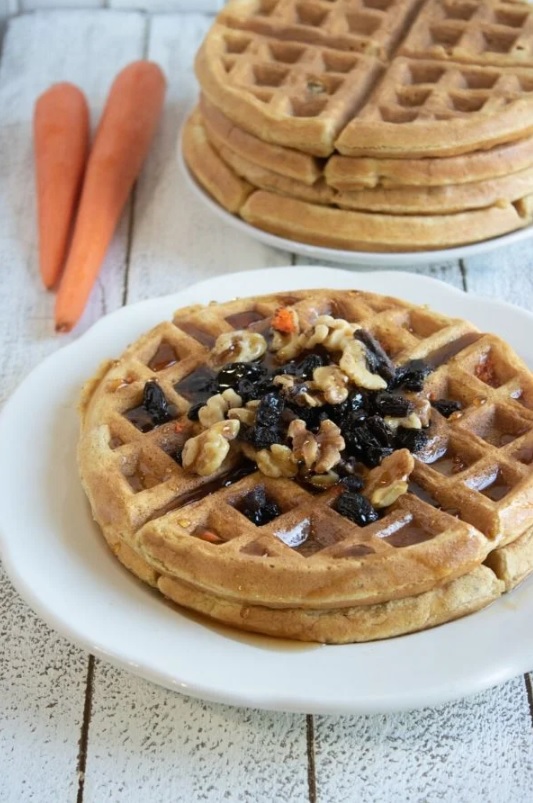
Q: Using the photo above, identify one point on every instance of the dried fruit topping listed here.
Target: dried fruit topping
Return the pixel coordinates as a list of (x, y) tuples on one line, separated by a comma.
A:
[(258, 508), (352, 482), (363, 444), (446, 406), (305, 367), (413, 439), (194, 409), (378, 360), (355, 507), (392, 404), (156, 404), (411, 375), (261, 437), (234, 372), (270, 410)]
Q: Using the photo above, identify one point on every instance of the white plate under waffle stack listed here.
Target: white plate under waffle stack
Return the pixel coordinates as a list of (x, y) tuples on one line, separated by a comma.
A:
[(364, 258), (86, 595)]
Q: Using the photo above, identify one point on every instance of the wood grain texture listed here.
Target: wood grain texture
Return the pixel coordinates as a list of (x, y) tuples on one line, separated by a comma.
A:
[(174, 6), (42, 678), (42, 682), (475, 751), (506, 274), (150, 744)]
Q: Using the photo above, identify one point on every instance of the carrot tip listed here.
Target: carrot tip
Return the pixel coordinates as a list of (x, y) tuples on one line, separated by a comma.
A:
[(63, 327)]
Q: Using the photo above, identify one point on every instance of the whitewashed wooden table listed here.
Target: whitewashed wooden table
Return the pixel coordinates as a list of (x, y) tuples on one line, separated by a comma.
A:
[(72, 728)]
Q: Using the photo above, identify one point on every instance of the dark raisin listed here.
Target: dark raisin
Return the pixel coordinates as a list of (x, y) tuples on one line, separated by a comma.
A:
[(446, 406), (231, 374), (380, 430), (390, 404), (269, 411), (378, 360), (412, 439), (177, 456), (312, 416), (411, 375), (194, 409), (365, 446), (258, 508), (356, 507), (353, 482), (261, 437), (155, 403)]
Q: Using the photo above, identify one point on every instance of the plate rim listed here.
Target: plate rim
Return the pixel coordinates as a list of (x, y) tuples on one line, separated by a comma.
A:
[(265, 700)]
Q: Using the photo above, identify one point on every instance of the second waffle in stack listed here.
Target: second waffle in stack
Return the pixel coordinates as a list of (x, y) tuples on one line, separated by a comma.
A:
[(378, 125)]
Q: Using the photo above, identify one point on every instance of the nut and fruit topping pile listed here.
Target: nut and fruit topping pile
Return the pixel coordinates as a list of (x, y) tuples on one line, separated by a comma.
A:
[(325, 405)]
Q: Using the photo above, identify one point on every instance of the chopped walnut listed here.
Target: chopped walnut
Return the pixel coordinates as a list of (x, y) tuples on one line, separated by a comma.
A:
[(243, 415), (422, 408), (287, 346), (238, 346), (332, 333), (324, 481), (388, 481), (353, 363), (411, 421), (332, 382), (296, 390), (278, 461), (319, 452), (205, 453), (216, 408)]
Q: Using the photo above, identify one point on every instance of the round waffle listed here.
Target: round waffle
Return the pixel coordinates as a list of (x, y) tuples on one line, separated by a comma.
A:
[(450, 543)]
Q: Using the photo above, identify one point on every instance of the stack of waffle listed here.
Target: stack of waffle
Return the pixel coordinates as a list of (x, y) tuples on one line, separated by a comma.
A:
[(378, 125), (459, 537)]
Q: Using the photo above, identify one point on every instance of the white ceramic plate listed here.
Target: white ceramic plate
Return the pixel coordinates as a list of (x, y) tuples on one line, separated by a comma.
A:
[(363, 258), (57, 559)]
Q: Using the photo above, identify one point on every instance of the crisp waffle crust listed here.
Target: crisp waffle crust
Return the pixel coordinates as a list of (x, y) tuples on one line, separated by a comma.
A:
[(454, 542)]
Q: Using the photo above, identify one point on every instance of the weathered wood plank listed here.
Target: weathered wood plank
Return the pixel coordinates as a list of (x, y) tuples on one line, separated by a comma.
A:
[(42, 684), (506, 274), (177, 241), (473, 751), (42, 678), (449, 272), (173, 6), (146, 743)]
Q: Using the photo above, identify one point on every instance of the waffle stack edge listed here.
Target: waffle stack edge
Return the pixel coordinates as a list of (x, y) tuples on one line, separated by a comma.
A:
[(376, 125)]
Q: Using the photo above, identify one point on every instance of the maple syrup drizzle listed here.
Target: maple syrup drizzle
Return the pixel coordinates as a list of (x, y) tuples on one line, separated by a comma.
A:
[(242, 320), (164, 357), (197, 386), (449, 350), (205, 338)]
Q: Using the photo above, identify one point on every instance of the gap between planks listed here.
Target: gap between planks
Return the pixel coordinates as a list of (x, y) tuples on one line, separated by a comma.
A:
[(89, 683)]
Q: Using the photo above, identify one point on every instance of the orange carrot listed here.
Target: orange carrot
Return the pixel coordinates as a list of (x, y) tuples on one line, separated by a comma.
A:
[(284, 321), (61, 144), (121, 144)]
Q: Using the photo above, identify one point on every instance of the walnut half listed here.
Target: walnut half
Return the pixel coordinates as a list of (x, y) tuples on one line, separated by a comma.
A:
[(388, 481), (319, 452), (205, 453)]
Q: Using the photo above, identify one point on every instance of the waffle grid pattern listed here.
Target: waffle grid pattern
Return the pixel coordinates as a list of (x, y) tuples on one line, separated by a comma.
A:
[(168, 512), (256, 51)]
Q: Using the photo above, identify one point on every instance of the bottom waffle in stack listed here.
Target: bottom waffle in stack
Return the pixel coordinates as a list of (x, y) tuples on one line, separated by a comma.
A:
[(331, 466), (360, 203)]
